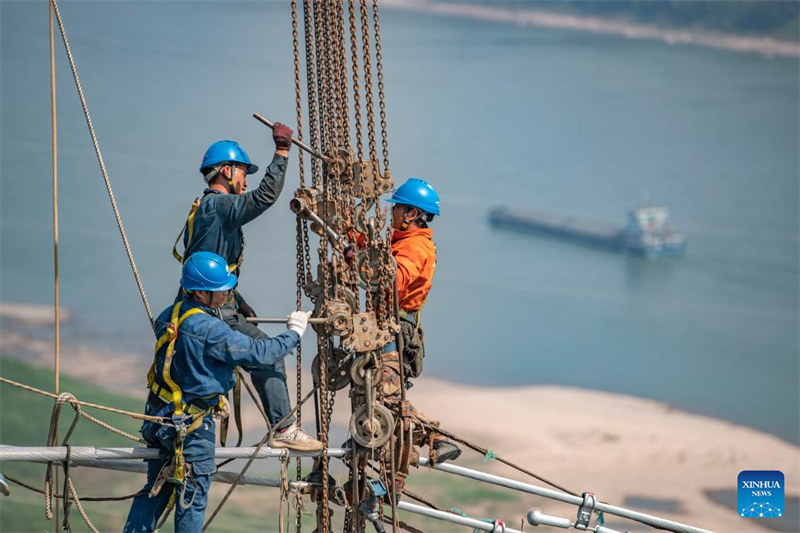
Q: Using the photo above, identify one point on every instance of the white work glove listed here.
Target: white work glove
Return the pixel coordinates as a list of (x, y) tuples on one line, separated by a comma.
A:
[(298, 321)]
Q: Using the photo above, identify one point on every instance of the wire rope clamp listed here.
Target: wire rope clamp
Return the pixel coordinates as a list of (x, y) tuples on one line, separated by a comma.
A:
[(585, 511)]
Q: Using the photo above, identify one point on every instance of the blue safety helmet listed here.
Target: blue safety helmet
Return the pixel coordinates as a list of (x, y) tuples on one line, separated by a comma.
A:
[(417, 193), (226, 152), (206, 271)]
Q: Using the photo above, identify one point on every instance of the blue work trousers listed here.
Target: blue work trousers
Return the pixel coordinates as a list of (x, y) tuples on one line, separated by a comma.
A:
[(269, 382), (192, 497)]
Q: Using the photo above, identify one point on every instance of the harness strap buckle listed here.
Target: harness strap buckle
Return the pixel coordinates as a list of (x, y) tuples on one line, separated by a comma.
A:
[(181, 426), (172, 332), (179, 469)]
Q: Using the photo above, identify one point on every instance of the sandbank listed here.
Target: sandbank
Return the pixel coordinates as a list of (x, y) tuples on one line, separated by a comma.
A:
[(617, 446)]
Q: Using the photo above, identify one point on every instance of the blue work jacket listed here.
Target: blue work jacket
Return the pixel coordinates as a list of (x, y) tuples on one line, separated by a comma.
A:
[(220, 217), (207, 350)]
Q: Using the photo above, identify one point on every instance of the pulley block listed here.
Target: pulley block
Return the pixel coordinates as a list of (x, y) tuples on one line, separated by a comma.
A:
[(338, 315), (337, 369), (358, 371), (372, 431)]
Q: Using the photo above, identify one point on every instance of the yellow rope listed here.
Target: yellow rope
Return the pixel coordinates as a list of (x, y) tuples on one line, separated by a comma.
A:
[(157, 419)]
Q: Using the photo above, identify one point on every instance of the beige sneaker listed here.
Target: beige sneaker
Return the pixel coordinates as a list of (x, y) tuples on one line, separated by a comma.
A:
[(295, 438)]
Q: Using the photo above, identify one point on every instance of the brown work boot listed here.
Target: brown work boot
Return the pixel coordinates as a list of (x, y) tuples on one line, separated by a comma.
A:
[(296, 439), (390, 384)]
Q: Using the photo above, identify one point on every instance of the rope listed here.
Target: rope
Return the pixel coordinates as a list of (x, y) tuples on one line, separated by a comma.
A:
[(56, 311), (80, 507), (52, 436), (267, 437), (110, 428), (102, 164), (256, 401), (55, 195), (487, 453), (401, 524), (156, 419), (86, 498), (284, 488)]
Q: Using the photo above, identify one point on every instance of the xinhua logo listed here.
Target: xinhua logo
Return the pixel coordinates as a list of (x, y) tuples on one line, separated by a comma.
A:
[(760, 493)]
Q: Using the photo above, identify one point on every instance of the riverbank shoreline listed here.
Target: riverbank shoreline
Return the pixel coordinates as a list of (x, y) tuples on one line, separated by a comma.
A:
[(628, 451), (766, 46)]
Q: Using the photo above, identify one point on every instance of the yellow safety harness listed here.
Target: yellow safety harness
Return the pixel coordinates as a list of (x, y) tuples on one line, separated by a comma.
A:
[(188, 228), (186, 417)]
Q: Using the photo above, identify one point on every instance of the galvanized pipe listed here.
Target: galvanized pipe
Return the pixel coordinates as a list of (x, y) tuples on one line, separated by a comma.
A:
[(454, 518), (562, 496), (220, 476), (536, 517)]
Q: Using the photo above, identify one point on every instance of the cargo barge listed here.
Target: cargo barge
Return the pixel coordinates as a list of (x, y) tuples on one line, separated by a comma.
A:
[(647, 232)]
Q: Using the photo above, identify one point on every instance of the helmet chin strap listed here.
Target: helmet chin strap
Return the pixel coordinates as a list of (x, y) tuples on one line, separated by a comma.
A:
[(404, 225), (231, 190)]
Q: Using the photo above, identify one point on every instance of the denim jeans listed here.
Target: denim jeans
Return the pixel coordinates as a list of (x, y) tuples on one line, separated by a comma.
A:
[(269, 382), (191, 498)]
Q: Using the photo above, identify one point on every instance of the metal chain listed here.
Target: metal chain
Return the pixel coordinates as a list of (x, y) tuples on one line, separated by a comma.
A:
[(368, 79), (298, 92), (379, 68), (299, 265), (342, 60), (311, 89), (356, 95)]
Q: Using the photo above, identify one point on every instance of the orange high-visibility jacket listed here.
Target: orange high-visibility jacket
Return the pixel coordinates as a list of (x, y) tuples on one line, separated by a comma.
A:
[(415, 254)]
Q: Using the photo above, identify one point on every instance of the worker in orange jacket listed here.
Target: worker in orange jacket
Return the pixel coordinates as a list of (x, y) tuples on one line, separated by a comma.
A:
[(416, 202)]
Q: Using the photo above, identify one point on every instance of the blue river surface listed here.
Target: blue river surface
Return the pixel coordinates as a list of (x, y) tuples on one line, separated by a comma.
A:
[(492, 114)]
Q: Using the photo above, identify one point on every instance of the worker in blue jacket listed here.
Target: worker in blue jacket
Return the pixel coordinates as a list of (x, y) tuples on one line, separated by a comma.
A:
[(193, 369), (215, 225)]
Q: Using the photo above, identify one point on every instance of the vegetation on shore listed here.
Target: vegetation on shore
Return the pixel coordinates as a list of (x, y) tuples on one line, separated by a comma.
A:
[(25, 422)]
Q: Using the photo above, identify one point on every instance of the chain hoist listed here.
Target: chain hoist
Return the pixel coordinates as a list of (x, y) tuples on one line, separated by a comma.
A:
[(351, 283)]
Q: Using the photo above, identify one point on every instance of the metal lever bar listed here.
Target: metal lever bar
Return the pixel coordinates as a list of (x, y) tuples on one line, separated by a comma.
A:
[(279, 320), (299, 143)]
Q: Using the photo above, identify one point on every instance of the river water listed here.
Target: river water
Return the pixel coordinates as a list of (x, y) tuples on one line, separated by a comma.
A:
[(490, 113)]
